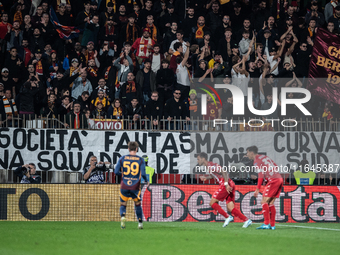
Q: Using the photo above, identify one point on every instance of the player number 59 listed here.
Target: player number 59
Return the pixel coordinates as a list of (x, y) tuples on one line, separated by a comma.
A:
[(130, 167)]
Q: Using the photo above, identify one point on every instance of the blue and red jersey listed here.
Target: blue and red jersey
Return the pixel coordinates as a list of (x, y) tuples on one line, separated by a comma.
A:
[(132, 169)]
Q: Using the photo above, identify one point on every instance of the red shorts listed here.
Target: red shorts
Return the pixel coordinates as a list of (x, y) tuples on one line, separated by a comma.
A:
[(222, 194), (273, 188)]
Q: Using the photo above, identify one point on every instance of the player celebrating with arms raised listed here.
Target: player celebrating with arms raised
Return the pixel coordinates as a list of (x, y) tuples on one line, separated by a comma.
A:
[(132, 168), (226, 190), (267, 170)]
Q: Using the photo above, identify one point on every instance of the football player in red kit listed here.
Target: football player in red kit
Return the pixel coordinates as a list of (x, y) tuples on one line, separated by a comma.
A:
[(268, 171), (226, 190)]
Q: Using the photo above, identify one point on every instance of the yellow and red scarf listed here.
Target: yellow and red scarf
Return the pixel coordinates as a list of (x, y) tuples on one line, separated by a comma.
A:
[(327, 115), (76, 121), (18, 17), (134, 33), (92, 71), (106, 75), (131, 87), (117, 111), (199, 33), (153, 31)]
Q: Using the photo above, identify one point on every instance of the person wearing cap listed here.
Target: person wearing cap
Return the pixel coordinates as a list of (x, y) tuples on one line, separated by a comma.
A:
[(265, 37), (84, 16), (335, 18), (144, 46), (149, 171), (129, 31), (91, 31), (313, 12), (109, 12), (197, 32), (40, 64)]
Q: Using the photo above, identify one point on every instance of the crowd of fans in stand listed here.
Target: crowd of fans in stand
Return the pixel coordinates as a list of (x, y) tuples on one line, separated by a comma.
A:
[(143, 59)]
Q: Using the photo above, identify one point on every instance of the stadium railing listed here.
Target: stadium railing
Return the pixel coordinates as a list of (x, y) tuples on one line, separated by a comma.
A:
[(177, 125), (180, 125)]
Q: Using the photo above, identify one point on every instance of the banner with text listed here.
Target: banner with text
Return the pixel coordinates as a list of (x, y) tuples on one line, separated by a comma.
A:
[(325, 62), (161, 203), (191, 203), (174, 153), (70, 150)]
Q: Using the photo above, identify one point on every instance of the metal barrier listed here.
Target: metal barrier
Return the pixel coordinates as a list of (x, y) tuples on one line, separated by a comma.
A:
[(8, 176), (305, 125), (199, 124)]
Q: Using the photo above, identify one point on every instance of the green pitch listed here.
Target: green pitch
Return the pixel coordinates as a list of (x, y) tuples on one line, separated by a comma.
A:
[(73, 238)]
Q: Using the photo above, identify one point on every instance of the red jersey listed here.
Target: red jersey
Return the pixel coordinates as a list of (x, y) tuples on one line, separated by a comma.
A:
[(215, 170), (267, 169)]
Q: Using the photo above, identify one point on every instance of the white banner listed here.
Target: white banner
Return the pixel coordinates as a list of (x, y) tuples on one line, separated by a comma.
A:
[(320, 149), (70, 150)]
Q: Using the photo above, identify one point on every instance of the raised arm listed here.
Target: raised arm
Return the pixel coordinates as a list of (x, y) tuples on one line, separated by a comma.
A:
[(186, 55)]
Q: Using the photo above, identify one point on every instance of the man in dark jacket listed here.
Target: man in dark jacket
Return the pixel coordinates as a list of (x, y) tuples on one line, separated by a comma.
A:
[(147, 79), (133, 114), (153, 110), (76, 119), (27, 174), (130, 90), (198, 32), (27, 95), (175, 109)]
